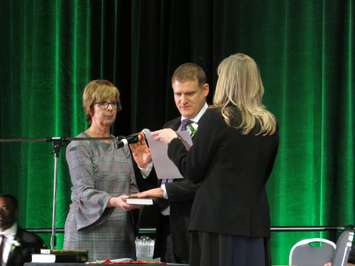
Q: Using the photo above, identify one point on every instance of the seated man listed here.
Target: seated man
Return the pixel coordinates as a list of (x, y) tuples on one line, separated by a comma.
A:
[(16, 244)]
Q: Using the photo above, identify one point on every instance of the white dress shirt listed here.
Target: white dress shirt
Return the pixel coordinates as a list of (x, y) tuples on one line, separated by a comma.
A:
[(10, 241)]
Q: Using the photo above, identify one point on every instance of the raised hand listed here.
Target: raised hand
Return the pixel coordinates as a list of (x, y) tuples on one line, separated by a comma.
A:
[(140, 151)]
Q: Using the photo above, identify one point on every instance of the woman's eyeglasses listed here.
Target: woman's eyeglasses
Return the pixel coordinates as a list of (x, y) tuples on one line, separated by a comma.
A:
[(105, 105)]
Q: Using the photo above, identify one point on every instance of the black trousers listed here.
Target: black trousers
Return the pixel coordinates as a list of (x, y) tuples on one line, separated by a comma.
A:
[(172, 243), (212, 249)]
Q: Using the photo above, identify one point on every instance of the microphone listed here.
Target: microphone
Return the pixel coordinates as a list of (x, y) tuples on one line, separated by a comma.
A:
[(133, 138)]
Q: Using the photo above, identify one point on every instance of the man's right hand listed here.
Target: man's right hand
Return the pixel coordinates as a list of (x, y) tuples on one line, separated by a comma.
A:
[(151, 193), (141, 153)]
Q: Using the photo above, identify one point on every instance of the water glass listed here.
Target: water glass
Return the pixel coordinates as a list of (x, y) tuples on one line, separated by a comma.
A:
[(144, 248)]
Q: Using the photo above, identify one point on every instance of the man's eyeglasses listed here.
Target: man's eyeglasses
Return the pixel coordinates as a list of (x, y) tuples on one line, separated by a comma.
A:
[(105, 105)]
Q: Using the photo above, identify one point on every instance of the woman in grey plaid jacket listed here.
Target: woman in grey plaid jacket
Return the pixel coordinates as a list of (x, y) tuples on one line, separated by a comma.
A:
[(99, 219)]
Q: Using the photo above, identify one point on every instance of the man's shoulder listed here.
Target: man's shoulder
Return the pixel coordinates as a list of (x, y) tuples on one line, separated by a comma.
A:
[(213, 114), (174, 123), (28, 237)]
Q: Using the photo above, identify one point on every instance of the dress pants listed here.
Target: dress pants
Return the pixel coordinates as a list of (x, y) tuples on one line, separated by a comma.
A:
[(212, 249)]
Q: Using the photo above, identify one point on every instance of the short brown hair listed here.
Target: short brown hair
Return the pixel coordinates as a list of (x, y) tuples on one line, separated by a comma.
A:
[(189, 72), (98, 91)]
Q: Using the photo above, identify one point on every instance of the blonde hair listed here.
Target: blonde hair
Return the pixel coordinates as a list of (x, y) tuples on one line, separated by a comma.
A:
[(98, 91), (239, 84)]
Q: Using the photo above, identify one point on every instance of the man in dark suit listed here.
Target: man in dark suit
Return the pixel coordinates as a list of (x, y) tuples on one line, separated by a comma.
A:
[(16, 244), (176, 196)]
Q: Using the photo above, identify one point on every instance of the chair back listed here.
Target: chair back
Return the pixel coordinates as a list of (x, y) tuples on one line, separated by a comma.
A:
[(343, 247), (303, 253)]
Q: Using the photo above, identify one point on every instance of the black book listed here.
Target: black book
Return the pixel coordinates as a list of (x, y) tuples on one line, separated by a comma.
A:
[(49, 256)]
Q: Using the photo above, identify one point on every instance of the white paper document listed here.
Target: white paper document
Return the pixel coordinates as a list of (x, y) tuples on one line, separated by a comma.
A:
[(164, 167)]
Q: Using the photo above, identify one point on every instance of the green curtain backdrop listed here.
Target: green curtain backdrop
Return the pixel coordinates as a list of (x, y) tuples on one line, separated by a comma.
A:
[(45, 61), (49, 50)]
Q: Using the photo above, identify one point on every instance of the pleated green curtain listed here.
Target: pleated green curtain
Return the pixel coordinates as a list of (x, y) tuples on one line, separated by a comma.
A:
[(45, 62), (308, 60), (51, 49)]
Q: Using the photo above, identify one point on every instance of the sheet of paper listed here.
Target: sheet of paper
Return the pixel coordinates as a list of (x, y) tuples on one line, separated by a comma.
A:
[(164, 167)]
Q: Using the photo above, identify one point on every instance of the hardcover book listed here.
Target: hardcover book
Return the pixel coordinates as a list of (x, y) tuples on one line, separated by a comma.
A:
[(135, 201), (49, 256)]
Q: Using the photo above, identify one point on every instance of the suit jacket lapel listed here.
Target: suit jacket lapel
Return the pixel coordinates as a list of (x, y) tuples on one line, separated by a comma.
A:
[(15, 251), (13, 255), (174, 124)]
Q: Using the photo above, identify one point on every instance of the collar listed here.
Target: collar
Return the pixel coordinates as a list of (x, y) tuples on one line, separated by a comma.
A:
[(199, 115), (10, 232)]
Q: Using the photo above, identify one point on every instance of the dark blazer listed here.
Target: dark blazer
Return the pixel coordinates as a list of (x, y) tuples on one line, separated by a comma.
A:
[(234, 169), (29, 243), (181, 193)]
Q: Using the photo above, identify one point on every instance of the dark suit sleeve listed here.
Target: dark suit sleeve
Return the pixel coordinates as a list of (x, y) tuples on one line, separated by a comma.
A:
[(194, 164), (181, 190), (145, 183), (31, 240)]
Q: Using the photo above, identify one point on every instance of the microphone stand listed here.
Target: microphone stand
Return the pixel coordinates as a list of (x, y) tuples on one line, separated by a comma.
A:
[(57, 143)]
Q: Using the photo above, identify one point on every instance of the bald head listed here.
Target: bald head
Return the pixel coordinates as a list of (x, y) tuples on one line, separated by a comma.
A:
[(8, 211)]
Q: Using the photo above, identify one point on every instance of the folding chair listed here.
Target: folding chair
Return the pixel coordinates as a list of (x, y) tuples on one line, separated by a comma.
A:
[(343, 247), (305, 253)]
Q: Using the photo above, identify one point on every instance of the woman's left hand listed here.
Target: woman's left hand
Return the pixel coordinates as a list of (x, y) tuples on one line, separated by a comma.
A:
[(120, 202), (165, 135)]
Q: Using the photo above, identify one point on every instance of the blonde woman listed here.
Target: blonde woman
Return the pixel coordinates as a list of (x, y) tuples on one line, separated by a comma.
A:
[(233, 154)]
